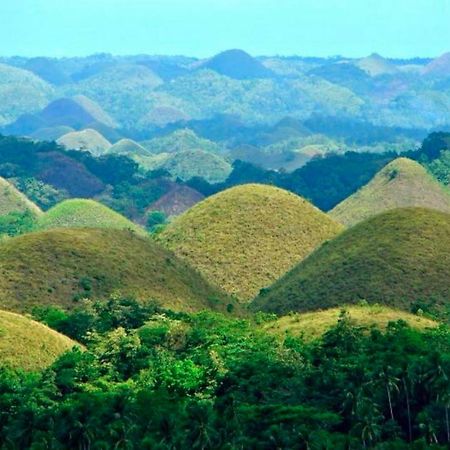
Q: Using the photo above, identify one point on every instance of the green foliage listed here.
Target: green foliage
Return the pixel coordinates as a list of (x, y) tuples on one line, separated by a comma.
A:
[(42, 194), (155, 219), (16, 223)]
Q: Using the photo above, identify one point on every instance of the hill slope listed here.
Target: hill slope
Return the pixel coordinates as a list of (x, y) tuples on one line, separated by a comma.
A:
[(12, 200), (129, 147), (57, 267), (29, 345), (83, 213), (397, 258), (402, 183), (90, 140), (246, 237)]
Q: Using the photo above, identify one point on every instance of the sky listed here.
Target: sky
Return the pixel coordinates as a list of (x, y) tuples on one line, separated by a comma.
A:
[(353, 28)]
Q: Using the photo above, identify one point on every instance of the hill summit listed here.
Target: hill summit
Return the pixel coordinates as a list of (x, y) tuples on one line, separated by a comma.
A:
[(244, 238), (400, 258), (401, 183), (12, 200), (88, 140)]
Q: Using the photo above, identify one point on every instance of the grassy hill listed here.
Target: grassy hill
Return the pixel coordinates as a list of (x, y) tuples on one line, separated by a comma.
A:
[(400, 258), (376, 65), (401, 183), (129, 147), (58, 267), (313, 324), (12, 200), (89, 140), (29, 345), (83, 213), (246, 237)]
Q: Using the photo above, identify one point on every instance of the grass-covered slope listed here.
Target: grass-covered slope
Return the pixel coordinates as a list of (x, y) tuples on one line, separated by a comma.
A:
[(12, 200), (129, 147), (84, 213), (313, 324), (401, 183), (29, 345), (398, 258), (57, 267), (89, 140), (246, 237)]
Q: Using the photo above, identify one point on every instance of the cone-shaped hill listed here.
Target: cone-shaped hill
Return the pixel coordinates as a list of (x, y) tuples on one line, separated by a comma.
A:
[(85, 213), (401, 183), (12, 200), (399, 258), (128, 147), (246, 237), (88, 140), (58, 267), (29, 345)]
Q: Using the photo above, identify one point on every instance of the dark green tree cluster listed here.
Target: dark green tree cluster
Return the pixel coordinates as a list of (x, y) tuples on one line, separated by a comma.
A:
[(152, 379)]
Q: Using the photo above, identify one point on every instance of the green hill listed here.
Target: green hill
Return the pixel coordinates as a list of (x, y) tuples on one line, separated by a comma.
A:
[(29, 345), (402, 183), (58, 267), (89, 140), (246, 237), (314, 324), (12, 200), (400, 258), (83, 213)]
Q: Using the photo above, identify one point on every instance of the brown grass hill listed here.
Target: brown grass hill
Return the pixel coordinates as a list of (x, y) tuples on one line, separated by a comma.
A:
[(29, 345), (129, 147), (246, 237), (61, 266), (12, 200), (85, 213), (400, 258), (89, 140), (401, 183), (178, 200)]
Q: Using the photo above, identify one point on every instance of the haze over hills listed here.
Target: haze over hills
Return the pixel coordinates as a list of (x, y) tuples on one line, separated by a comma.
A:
[(61, 266), (88, 140), (401, 183), (244, 238), (400, 258)]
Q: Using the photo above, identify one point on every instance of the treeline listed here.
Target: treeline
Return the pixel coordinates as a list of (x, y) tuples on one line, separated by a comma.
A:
[(152, 379)]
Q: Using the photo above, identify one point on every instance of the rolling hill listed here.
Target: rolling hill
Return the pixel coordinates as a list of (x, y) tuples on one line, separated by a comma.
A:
[(60, 266), (401, 183), (129, 147), (12, 200), (311, 325), (246, 237), (29, 345), (89, 140), (400, 258), (84, 213)]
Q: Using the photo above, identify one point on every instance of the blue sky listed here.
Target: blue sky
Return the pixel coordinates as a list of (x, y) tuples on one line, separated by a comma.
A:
[(394, 28)]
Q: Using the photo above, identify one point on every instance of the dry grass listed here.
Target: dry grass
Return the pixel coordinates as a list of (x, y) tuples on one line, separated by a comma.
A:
[(246, 237), (29, 345), (12, 200), (88, 139)]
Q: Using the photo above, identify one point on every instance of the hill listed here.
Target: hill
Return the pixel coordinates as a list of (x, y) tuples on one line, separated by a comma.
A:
[(400, 258), (95, 110), (89, 140), (401, 183), (21, 92), (29, 345), (60, 266), (50, 133), (376, 65), (314, 324), (12, 200), (175, 202), (82, 213), (237, 64), (439, 66), (246, 237), (129, 147)]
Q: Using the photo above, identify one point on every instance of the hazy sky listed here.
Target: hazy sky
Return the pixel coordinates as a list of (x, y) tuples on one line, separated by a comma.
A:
[(396, 28)]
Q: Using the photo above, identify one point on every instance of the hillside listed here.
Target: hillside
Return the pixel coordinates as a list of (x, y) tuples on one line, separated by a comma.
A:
[(237, 64), (83, 213), (401, 183), (61, 266), (129, 147), (314, 324), (246, 237), (175, 202), (89, 140), (29, 345), (12, 200), (400, 258), (376, 65)]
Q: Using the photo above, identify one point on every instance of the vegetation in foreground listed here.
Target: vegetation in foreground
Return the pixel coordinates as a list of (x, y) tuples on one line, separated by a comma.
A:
[(400, 258), (246, 237), (153, 379)]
